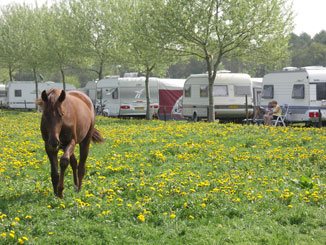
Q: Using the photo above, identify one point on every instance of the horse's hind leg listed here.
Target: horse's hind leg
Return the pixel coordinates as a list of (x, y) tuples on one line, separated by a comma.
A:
[(84, 149), (73, 164)]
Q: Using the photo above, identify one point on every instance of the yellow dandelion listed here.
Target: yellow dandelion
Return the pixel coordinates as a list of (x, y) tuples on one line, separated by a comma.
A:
[(3, 235), (172, 216), (191, 217), (17, 219), (141, 217)]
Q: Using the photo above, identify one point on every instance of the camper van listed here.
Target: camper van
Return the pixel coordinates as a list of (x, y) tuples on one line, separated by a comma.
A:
[(3, 96), (21, 94), (126, 96), (230, 90), (303, 90)]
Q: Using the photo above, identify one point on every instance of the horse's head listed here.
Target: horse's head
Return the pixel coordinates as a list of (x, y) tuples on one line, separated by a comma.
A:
[(53, 112)]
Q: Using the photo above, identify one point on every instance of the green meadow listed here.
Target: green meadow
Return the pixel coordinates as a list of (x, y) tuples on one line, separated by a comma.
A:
[(176, 182)]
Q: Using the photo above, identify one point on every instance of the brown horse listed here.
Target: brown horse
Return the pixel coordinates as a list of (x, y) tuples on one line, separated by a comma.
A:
[(67, 120)]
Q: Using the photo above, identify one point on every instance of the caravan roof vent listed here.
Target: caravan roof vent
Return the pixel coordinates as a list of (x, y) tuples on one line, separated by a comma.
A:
[(110, 76), (131, 74), (223, 71), (290, 68)]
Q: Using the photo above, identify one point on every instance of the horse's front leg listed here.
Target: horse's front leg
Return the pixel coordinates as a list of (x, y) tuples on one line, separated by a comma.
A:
[(64, 162), (53, 157)]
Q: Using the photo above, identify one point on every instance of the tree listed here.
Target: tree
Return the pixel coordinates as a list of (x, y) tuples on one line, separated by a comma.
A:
[(215, 29), (32, 41), (95, 30), (10, 37), (56, 27), (320, 37), (141, 44)]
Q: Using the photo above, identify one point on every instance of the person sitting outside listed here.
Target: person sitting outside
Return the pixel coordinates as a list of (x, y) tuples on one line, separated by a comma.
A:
[(272, 114), (260, 112)]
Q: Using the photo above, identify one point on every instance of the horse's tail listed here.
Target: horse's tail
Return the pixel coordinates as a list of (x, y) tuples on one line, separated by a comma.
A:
[(96, 136)]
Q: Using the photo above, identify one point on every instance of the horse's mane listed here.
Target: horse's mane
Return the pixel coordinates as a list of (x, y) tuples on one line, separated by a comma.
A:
[(41, 103)]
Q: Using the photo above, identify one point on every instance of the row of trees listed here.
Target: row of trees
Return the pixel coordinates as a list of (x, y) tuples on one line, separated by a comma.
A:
[(307, 51), (146, 36)]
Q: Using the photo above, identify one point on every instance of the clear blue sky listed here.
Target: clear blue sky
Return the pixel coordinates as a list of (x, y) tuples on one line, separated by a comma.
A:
[(310, 14)]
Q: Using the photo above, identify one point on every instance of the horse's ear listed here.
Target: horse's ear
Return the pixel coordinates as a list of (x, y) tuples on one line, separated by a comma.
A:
[(44, 96), (62, 96)]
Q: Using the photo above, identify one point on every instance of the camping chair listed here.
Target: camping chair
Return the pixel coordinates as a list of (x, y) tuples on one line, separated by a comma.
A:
[(280, 120)]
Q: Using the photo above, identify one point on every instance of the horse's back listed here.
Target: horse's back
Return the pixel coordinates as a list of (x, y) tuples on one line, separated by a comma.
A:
[(81, 96)]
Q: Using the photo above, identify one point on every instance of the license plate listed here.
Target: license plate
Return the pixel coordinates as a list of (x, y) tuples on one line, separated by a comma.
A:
[(139, 108), (233, 106)]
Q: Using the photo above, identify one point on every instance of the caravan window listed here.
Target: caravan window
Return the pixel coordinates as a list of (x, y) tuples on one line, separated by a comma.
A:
[(242, 90), (187, 91), (321, 91), (3, 93), (18, 93), (99, 94), (298, 91), (221, 90), (115, 94), (268, 91), (203, 90)]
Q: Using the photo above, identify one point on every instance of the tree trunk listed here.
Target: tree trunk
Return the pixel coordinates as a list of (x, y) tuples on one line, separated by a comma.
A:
[(100, 72), (11, 78), (211, 114), (36, 89), (148, 116), (212, 70), (211, 79), (63, 78)]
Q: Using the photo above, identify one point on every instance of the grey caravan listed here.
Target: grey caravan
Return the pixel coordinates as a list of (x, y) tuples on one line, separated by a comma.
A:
[(230, 90)]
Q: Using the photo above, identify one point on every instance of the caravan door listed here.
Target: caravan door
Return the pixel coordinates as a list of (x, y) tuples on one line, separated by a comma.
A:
[(111, 101)]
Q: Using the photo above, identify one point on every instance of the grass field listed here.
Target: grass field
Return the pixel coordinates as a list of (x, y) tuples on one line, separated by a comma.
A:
[(167, 183)]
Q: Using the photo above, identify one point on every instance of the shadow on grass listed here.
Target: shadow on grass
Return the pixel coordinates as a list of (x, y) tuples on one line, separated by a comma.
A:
[(16, 201)]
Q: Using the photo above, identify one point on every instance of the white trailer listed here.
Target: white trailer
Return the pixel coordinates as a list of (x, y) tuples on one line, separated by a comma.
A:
[(230, 90), (303, 90), (3, 96), (22, 95), (126, 96)]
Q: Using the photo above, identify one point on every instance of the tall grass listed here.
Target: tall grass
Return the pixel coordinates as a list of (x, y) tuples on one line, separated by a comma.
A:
[(167, 183)]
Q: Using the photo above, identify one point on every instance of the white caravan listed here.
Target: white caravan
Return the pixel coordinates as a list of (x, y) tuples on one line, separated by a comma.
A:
[(302, 89), (126, 96), (21, 94), (90, 89), (3, 96), (230, 90)]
